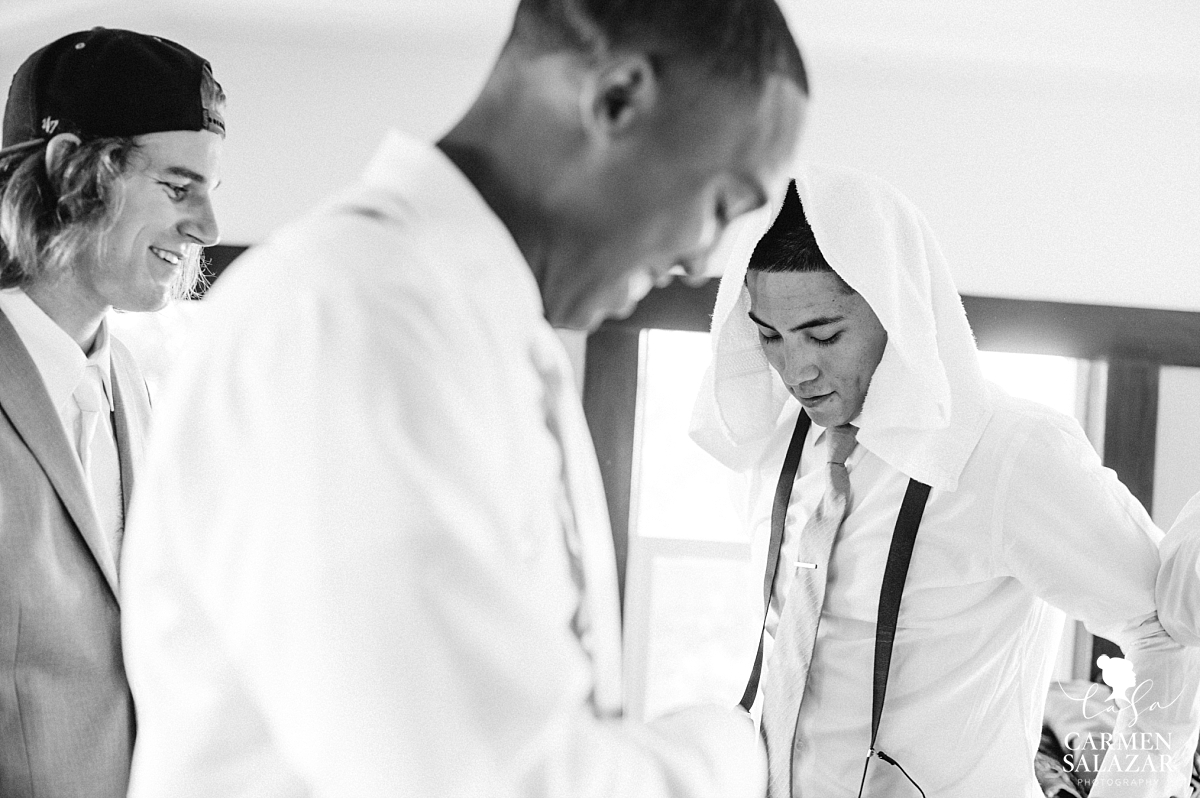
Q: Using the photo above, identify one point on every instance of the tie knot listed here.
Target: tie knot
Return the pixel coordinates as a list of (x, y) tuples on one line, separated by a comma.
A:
[(842, 441), (89, 392)]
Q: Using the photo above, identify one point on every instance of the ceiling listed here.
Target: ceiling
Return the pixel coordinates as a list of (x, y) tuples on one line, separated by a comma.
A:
[(1145, 36)]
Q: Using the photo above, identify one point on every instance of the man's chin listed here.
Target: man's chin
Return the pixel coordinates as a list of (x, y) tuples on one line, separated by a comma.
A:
[(589, 317), (144, 304), (827, 417), (578, 321)]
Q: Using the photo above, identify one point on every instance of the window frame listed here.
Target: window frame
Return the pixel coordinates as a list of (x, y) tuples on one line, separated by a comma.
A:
[(1135, 343)]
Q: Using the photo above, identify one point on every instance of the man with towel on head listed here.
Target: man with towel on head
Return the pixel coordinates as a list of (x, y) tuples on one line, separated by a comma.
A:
[(839, 339)]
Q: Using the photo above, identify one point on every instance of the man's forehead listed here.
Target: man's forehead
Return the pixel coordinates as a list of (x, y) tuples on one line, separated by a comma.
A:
[(798, 298), (759, 126), (769, 140), (794, 285), (191, 155), (765, 131), (780, 117)]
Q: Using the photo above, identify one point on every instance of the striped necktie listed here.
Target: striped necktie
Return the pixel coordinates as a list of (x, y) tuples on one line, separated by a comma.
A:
[(796, 633)]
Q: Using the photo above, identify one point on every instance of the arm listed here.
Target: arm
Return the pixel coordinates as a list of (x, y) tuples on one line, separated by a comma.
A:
[(1074, 535), (1178, 588)]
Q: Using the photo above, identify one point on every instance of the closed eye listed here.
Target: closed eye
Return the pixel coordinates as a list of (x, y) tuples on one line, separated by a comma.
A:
[(768, 335), (826, 341)]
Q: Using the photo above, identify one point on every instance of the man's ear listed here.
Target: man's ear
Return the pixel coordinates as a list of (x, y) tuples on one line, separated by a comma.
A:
[(619, 94), (59, 148)]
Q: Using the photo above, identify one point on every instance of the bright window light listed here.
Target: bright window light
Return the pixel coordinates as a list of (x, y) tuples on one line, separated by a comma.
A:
[(681, 491), (1048, 379)]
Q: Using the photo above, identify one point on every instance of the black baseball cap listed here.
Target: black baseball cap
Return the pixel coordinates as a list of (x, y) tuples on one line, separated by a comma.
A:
[(106, 82)]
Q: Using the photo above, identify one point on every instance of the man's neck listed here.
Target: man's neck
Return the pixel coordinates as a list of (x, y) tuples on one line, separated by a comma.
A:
[(79, 320), (486, 173), (502, 146)]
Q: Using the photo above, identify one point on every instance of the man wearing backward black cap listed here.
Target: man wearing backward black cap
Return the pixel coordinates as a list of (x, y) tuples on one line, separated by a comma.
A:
[(111, 145)]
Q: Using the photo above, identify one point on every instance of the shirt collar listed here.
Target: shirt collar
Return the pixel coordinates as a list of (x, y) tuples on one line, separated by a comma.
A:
[(819, 438), (101, 358), (423, 180), (58, 358)]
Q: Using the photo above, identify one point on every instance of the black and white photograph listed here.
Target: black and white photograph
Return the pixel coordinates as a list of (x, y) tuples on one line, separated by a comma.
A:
[(599, 399)]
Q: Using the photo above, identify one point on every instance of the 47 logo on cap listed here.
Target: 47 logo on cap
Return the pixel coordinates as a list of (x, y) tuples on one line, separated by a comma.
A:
[(49, 124)]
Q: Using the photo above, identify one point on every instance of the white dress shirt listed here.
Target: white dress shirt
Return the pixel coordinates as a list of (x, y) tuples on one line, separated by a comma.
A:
[(1037, 526), (1179, 578), (349, 568), (1022, 523), (64, 368)]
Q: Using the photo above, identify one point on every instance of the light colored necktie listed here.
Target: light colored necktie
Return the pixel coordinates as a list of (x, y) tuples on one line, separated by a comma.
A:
[(796, 633), (97, 451)]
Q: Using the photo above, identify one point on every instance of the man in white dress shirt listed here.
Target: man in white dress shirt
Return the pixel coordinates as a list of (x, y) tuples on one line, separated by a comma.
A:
[(373, 557), (111, 144), (848, 314)]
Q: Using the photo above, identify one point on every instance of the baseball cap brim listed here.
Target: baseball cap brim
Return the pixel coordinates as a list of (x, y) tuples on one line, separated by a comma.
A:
[(25, 145)]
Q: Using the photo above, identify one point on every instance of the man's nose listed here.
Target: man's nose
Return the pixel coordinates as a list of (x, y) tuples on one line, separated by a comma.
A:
[(798, 368), (200, 225)]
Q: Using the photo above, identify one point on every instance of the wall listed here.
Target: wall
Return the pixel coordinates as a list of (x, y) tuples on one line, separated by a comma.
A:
[(1054, 147), (309, 99)]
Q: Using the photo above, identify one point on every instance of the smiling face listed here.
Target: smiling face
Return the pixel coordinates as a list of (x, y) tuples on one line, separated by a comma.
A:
[(165, 216), (822, 339), (661, 196)]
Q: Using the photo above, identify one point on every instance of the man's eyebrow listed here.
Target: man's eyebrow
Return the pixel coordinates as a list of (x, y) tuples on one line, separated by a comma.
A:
[(817, 322), (183, 171)]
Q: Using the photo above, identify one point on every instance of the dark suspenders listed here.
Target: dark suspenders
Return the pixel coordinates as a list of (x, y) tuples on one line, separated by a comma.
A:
[(894, 575), (783, 495)]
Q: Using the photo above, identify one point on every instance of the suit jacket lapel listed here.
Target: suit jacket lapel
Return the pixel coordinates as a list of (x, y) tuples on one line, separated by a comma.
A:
[(131, 415), (25, 401)]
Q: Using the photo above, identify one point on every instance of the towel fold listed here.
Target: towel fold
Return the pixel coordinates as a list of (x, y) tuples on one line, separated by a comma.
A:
[(928, 402)]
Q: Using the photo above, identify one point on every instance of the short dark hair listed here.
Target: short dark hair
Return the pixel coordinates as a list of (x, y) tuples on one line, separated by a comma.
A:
[(789, 245), (742, 40)]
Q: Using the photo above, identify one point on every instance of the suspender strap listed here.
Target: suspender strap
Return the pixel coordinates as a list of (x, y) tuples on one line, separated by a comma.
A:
[(783, 495), (894, 575)]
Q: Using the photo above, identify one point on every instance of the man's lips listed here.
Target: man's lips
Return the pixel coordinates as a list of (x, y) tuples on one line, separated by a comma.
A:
[(814, 399), (173, 258)]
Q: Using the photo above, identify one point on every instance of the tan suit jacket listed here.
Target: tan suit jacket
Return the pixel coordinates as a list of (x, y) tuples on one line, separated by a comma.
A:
[(66, 713)]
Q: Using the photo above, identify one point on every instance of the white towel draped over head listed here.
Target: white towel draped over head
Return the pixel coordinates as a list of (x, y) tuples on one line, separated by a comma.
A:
[(928, 402)]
